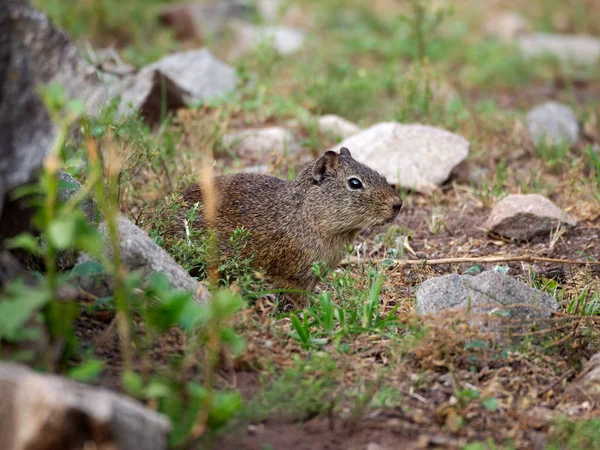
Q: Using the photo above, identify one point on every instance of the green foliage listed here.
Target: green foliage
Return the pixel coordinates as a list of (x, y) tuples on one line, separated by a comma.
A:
[(325, 320), (19, 304), (297, 393), (424, 22), (133, 25), (575, 434)]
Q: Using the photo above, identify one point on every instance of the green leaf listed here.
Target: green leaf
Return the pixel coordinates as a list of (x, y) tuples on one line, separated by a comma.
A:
[(61, 232), (166, 313), (89, 268), (225, 405), (17, 306), (236, 343), (387, 262), (76, 107), (474, 269), (490, 403), (133, 383), (475, 344), (25, 241), (67, 185), (88, 371), (158, 389)]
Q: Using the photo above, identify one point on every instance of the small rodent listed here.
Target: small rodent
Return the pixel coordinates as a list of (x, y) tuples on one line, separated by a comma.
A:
[(294, 224)]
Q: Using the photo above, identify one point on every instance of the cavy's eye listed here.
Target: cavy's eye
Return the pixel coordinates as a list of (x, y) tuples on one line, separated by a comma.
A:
[(355, 184)]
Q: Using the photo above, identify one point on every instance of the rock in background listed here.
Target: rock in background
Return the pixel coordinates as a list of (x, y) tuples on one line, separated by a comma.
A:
[(199, 20), (257, 143), (418, 157), (569, 49), (506, 26), (286, 40), (47, 412), (553, 124), (337, 126), (187, 77), (524, 217)]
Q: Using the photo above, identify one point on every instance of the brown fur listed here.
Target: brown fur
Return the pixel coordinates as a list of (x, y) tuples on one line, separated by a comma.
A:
[(294, 224)]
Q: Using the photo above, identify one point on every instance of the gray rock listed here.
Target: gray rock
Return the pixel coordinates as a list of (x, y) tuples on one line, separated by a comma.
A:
[(505, 26), (552, 123), (45, 412), (286, 40), (257, 143), (145, 93), (490, 298), (569, 49), (416, 157), (142, 254), (337, 126), (197, 20), (523, 217), (188, 77), (70, 186), (33, 53)]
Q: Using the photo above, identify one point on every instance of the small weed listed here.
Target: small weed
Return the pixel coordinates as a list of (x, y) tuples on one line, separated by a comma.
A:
[(297, 393), (552, 154)]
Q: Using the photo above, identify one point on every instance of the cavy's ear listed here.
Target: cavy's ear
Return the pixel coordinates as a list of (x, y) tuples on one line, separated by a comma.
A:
[(326, 165), (344, 151)]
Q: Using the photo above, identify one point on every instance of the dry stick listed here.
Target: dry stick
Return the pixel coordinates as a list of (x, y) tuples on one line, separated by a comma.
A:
[(485, 259)]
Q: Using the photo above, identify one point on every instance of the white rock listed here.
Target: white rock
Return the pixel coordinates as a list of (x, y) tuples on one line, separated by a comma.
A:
[(553, 123), (286, 40), (259, 142), (269, 9), (337, 126), (524, 217), (47, 412), (579, 49), (416, 157), (189, 77), (198, 72), (505, 26)]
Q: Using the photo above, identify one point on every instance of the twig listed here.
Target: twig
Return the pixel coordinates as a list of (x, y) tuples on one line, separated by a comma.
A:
[(485, 259)]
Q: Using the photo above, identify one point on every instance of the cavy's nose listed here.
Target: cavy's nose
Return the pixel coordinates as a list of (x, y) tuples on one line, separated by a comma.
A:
[(397, 205)]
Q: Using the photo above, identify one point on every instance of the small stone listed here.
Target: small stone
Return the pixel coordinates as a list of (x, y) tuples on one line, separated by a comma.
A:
[(142, 254), (418, 157), (586, 388), (489, 297), (523, 217), (552, 123), (505, 26), (46, 412), (188, 77), (569, 49), (197, 20), (337, 126), (286, 40), (257, 143)]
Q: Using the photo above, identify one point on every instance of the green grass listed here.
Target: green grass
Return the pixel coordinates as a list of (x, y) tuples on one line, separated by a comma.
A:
[(581, 434)]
